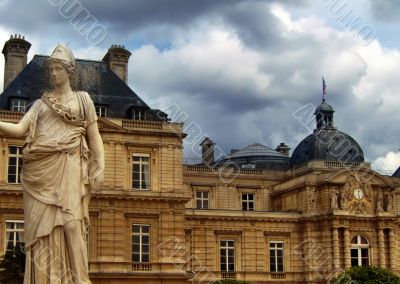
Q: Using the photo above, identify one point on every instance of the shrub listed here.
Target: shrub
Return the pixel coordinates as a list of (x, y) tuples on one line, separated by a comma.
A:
[(12, 266), (366, 275)]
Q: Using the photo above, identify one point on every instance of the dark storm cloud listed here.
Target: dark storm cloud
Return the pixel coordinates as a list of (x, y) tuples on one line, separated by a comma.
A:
[(386, 10), (150, 19)]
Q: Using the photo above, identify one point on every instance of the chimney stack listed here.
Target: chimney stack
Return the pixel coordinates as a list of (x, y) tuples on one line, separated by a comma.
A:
[(283, 149), (117, 59), (15, 52), (207, 150)]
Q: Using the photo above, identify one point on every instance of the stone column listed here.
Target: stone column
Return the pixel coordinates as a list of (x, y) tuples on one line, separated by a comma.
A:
[(392, 249), (347, 259), (381, 238), (335, 248)]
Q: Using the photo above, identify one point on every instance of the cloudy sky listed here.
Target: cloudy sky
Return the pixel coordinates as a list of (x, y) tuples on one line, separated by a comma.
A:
[(240, 71)]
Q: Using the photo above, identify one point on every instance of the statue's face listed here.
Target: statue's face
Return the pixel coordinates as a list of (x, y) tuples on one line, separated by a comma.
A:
[(58, 74)]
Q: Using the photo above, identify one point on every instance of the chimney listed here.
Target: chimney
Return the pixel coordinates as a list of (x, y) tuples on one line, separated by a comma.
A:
[(117, 59), (207, 151), (283, 149), (15, 52)]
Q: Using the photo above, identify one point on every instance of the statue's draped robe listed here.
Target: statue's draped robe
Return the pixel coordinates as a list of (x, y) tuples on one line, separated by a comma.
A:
[(55, 183)]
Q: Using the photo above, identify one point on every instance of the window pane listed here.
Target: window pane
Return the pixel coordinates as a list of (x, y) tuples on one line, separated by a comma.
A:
[(354, 252), (145, 249), (364, 252), (145, 258), (363, 240), (135, 257), (354, 262), (135, 248)]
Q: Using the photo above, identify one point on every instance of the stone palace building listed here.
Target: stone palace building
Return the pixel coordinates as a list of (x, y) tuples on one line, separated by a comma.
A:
[(259, 214)]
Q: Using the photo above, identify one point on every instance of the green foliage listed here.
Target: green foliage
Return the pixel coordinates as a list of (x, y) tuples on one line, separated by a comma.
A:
[(12, 267), (366, 275), (229, 281)]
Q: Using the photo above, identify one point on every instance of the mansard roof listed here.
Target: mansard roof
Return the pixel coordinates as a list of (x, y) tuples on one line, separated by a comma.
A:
[(94, 77)]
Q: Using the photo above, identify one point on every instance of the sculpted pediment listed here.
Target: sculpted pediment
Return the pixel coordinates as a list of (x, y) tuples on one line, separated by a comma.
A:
[(105, 124), (361, 192), (362, 175)]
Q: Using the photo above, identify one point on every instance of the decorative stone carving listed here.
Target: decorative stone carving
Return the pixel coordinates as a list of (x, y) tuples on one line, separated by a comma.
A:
[(312, 197), (379, 202), (389, 201), (334, 199)]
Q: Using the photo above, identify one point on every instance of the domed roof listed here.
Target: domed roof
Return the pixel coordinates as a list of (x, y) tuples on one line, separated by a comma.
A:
[(327, 144), (256, 149), (324, 107), (257, 156)]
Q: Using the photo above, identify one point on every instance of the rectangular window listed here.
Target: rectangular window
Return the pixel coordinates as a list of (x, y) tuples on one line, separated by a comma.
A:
[(14, 234), (359, 256), (101, 111), (140, 243), (227, 255), (276, 256), (18, 105), (202, 199), (248, 201), (140, 172), (14, 164), (138, 114)]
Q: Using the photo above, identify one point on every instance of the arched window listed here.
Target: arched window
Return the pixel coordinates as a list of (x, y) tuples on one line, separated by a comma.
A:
[(359, 249)]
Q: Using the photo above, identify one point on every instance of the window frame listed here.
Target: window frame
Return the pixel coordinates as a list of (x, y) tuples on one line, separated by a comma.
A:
[(99, 111), (18, 164), (276, 249), (202, 199), (227, 250), (141, 171), (141, 235), (14, 231), (247, 202), (138, 114), (360, 247), (19, 107)]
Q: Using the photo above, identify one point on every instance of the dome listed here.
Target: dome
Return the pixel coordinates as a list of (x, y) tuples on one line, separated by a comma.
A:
[(258, 156), (327, 144), (256, 149), (324, 107)]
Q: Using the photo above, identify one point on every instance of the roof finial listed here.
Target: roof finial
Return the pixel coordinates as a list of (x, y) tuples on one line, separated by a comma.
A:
[(323, 89)]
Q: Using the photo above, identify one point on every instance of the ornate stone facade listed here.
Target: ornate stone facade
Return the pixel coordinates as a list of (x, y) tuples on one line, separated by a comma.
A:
[(157, 220)]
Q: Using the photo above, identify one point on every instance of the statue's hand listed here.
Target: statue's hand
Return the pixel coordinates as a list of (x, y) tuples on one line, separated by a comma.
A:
[(96, 174)]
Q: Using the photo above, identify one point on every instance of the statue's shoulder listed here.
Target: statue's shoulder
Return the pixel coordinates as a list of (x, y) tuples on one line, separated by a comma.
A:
[(85, 95)]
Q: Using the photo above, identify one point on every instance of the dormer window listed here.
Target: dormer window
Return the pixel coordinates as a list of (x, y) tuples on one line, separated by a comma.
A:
[(101, 111), (18, 105), (138, 114)]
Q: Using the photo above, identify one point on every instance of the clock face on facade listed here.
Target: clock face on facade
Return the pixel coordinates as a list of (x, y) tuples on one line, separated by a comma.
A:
[(358, 193)]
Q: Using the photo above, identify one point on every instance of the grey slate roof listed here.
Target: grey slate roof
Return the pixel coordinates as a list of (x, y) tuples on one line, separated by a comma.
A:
[(327, 144), (260, 156), (94, 77)]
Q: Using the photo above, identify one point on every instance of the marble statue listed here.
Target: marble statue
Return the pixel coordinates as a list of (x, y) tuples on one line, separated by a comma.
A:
[(389, 201), (63, 159), (379, 202), (334, 200)]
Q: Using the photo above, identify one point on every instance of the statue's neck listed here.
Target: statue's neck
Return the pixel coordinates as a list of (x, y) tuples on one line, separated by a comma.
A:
[(62, 90)]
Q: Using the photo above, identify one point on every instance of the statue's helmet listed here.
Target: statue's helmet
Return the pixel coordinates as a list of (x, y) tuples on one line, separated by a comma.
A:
[(63, 53)]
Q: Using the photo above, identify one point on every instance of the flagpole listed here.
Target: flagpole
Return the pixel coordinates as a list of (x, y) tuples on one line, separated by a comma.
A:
[(323, 88)]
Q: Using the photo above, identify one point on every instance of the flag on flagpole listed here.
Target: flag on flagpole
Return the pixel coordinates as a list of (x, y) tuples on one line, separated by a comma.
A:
[(323, 86)]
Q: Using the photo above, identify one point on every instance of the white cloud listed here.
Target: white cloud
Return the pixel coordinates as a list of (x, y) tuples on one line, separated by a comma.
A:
[(388, 163)]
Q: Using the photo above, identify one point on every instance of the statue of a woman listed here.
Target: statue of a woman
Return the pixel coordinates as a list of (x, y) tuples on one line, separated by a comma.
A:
[(63, 158)]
